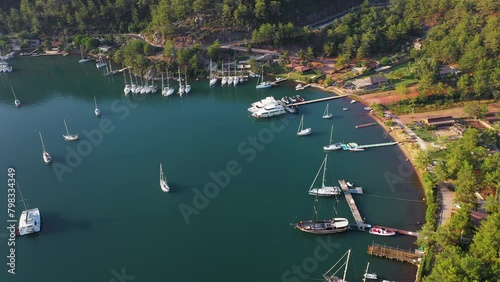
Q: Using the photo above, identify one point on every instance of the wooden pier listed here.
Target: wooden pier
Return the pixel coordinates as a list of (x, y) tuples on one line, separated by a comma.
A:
[(395, 253), (360, 223), (316, 100), (366, 125), (378, 145), (275, 83)]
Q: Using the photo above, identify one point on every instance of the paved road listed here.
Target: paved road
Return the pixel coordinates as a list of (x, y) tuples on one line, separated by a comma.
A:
[(408, 131)]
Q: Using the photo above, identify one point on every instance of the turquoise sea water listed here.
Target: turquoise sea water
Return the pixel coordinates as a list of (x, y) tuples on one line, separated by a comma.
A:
[(105, 217)]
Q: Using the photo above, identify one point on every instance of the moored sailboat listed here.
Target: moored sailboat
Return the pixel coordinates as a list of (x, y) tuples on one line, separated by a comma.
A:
[(45, 155), (326, 114), (301, 131), (127, 87), (331, 146), (261, 84), (187, 88), (16, 101), (367, 275), (96, 111), (163, 181), (324, 190), (83, 60), (181, 86), (68, 136), (213, 79), (331, 276), (30, 220)]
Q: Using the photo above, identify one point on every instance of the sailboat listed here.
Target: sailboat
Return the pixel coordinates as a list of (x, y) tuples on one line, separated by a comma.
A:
[(236, 79), (127, 87), (133, 87), (330, 146), (16, 101), (224, 77), (367, 275), (229, 77), (69, 137), (153, 86), (181, 86), (187, 87), (260, 81), (96, 111), (30, 220), (323, 226), (301, 131), (163, 181), (324, 190), (45, 155), (326, 114), (83, 60), (213, 80), (100, 63), (331, 277), (168, 90)]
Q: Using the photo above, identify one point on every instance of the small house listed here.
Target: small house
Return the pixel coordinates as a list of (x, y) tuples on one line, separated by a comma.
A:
[(371, 82), (440, 121)]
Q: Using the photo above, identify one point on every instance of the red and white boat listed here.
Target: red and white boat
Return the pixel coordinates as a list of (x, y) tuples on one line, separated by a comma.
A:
[(381, 231)]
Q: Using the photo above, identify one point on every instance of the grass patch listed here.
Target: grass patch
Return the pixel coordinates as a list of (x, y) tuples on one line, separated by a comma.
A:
[(297, 76), (425, 134)]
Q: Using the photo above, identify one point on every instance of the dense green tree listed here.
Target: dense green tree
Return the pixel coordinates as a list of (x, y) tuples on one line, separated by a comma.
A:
[(475, 110)]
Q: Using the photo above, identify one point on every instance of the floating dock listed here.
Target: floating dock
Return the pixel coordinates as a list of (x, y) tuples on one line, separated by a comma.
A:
[(317, 100), (278, 80), (395, 253), (366, 125)]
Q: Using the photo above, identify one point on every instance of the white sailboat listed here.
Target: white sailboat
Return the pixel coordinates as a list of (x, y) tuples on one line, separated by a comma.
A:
[(229, 77), (16, 101), (261, 84), (236, 79), (170, 90), (324, 190), (331, 277), (372, 276), (213, 80), (96, 111), (187, 88), (30, 220), (68, 136), (100, 63), (331, 146), (153, 86), (127, 87), (326, 114), (224, 77), (45, 155), (163, 181), (83, 60), (301, 131), (181, 86), (133, 87)]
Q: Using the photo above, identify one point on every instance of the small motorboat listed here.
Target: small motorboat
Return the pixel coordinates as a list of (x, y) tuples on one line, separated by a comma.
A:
[(293, 100), (367, 108), (381, 232), (299, 87), (353, 101), (349, 184), (300, 98), (345, 109)]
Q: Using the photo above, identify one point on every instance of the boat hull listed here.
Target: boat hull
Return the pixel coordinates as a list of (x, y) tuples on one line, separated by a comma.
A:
[(332, 147), (325, 191), (381, 232), (71, 137), (30, 222), (330, 226), (46, 158), (304, 132)]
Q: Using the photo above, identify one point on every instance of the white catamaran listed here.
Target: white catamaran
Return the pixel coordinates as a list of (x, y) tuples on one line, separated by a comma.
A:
[(326, 114), (30, 220), (301, 131), (163, 181), (96, 111), (324, 190), (332, 146), (45, 155), (68, 136)]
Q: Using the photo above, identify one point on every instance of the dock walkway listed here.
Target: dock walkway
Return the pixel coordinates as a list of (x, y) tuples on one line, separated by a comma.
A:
[(316, 100), (394, 253), (360, 223), (378, 145)]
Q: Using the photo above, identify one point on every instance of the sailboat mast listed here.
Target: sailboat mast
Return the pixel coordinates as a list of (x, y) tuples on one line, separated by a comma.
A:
[(95, 102), (366, 272), (13, 92), (66, 126), (22, 198), (324, 172), (41, 139), (346, 264), (185, 77)]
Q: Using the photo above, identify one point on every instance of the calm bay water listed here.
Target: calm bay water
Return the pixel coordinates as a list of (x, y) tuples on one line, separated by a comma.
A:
[(105, 215)]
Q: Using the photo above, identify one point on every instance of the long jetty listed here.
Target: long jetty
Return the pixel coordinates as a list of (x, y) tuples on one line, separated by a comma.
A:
[(394, 253), (360, 223), (378, 145), (317, 100)]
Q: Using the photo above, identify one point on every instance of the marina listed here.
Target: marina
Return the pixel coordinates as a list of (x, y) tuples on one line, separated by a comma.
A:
[(395, 253), (198, 139)]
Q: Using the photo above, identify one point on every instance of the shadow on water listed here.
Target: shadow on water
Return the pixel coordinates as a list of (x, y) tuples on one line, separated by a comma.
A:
[(54, 223)]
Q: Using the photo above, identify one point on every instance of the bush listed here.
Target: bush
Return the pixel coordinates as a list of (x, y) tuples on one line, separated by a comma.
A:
[(384, 61)]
